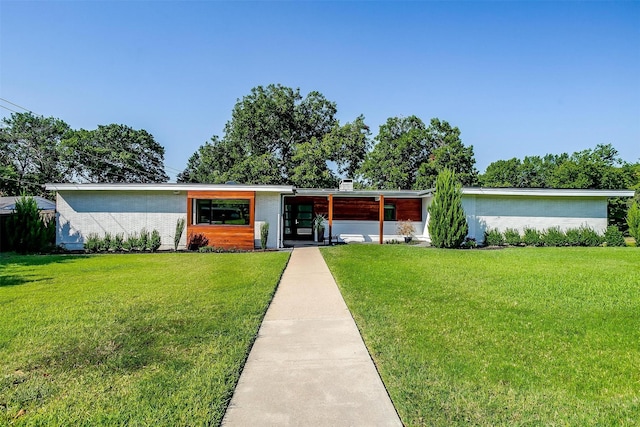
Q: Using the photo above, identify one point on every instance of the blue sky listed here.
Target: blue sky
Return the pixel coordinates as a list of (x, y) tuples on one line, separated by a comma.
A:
[(517, 78)]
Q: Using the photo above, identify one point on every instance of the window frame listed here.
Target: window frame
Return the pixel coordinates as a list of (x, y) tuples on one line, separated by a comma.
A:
[(245, 211)]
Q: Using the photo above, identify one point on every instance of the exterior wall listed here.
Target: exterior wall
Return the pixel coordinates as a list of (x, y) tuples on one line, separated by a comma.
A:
[(83, 212), (368, 231), (268, 208), (224, 236), (519, 212)]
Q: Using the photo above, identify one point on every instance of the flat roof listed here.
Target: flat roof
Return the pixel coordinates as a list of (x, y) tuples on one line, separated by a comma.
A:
[(547, 192), (361, 193), (169, 187)]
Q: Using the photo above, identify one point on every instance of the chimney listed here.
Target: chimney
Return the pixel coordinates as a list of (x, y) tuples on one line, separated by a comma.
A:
[(346, 185)]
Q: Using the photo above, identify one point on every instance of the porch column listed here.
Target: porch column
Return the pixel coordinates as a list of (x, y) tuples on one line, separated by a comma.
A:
[(381, 216), (330, 216)]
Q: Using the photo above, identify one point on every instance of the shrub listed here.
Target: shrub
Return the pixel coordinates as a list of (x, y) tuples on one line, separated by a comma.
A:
[(573, 236), (264, 235), (633, 220), (406, 228), (589, 237), (179, 230), (613, 237), (117, 242), (143, 240), (554, 237), (27, 231), (531, 237), (469, 243), (105, 242), (493, 237), (448, 223), (512, 237), (131, 243), (92, 243), (196, 241), (154, 241)]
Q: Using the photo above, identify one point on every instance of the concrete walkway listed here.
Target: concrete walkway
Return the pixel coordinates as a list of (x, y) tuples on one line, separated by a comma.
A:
[(309, 366)]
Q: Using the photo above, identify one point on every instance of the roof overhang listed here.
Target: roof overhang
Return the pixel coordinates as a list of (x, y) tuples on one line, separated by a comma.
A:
[(546, 192), (398, 194), (283, 189)]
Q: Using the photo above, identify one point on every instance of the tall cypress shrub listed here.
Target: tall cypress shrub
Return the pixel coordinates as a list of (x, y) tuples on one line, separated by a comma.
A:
[(633, 220), (447, 223), (28, 232)]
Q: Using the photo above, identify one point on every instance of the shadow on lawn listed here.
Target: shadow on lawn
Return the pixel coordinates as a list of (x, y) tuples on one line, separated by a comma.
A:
[(8, 260)]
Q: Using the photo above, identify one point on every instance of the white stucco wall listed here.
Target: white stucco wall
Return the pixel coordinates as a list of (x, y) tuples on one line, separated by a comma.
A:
[(268, 210), (540, 213), (369, 231), (83, 212)]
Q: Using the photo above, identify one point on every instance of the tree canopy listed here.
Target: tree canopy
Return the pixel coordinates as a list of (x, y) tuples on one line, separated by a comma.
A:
[(409, 154), (30, 153), (35, 150), (113, 153)]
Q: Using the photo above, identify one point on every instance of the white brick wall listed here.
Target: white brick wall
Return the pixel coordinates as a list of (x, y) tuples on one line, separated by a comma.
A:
[(84, 212), (268, 210), (484, 212)]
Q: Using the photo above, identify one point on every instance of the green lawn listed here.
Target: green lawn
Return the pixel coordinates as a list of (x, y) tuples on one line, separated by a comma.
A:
[(522, 336), (147, 339)]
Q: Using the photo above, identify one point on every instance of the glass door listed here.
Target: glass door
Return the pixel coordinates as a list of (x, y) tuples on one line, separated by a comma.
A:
[(298, 221)]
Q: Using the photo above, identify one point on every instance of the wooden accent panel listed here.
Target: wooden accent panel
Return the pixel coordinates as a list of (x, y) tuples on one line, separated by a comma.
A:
[(330, 216), (224, 236), (355, 208), (407, 209)]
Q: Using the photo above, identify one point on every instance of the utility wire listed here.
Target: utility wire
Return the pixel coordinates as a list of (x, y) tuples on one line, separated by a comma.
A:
[(7, 108), (15, 105)]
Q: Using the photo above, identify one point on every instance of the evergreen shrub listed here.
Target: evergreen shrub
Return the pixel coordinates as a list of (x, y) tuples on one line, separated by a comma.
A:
[(448, 223), (27, 231), (512, 237), (92, 243), (573, 236), (493, 237), (264, 235), (532, 237), (589, 237), (633, 221), (614, 237), (554, 237), (154, 241)]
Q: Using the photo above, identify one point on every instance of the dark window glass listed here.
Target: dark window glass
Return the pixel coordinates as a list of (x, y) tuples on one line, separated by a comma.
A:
[(389, 212), (222, 211)]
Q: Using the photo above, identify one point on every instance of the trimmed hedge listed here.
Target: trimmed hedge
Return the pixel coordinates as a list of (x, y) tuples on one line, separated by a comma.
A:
[(134, 242), (554, 237)]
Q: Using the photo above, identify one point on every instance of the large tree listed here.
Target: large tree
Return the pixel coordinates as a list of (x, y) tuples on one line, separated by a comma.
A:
[(114, 153), (409, 154), (262, 136), (446, 152), (401, 147), (30, 152), (277, 136)]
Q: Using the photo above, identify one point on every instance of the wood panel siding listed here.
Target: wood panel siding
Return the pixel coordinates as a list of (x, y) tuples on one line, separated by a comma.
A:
[(355, 208), (368, 209), (223, 236), (407, 209)]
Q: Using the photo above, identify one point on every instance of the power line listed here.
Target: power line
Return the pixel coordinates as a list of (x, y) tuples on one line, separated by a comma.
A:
[(7, 108), (15, 105)]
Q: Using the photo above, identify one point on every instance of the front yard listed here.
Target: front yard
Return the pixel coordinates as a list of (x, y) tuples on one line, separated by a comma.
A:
[(128, 339), (522, 336)]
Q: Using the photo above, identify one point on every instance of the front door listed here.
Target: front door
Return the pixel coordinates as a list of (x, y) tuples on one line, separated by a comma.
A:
[(298, 221)]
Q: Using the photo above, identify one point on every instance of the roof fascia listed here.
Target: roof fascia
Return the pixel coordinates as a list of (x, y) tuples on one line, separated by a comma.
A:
[(170, 187)]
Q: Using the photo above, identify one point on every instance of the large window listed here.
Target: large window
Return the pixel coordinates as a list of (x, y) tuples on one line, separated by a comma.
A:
[(222, 211)]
